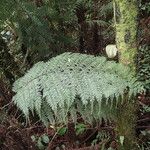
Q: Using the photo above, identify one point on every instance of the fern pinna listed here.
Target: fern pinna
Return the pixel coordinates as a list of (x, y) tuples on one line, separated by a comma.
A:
[(71, 83)]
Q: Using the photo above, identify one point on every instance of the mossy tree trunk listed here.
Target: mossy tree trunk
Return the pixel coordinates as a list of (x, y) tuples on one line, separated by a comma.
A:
[(125, 17)]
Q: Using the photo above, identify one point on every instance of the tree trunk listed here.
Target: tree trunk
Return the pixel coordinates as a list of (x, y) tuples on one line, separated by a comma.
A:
[(125, 17)]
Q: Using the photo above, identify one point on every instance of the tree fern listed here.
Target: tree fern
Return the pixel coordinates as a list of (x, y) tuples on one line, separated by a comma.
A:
[(48, 25), (71, 83)]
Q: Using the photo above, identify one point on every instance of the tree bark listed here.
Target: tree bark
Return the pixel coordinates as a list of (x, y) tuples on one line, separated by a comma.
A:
[(126, 20)]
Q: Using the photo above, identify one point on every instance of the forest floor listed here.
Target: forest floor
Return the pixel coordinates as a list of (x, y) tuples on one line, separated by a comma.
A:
[(15, 134)]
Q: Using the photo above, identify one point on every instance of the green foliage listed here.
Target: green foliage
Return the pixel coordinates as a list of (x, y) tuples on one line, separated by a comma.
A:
[(145, 108), (42, 28), (144, 65), (41, 141), (61, 131), (102, 136), (80, 128), (7, 8), (9, 69), (144, 143), (71, 83), (145, 6), (48, 28), (95, 23)]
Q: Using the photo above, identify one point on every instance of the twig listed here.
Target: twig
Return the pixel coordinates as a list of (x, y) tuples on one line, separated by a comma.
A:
[(90, 136), (24, 61), (143, 127), (143, 120)]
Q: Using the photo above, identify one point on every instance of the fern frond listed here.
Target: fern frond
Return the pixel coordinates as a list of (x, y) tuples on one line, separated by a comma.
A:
[(52, 88)]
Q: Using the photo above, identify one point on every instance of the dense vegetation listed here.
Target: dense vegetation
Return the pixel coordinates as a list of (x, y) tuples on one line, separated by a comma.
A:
[(58, 88)]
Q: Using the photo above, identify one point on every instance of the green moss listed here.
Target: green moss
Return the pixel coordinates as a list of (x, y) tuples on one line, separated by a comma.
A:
[(126, 31), (126, 38), (125, 124)]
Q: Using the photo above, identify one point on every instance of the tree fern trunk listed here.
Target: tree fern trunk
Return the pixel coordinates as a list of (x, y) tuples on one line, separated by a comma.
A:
[(125, 17), (125, 14), (125, 124)]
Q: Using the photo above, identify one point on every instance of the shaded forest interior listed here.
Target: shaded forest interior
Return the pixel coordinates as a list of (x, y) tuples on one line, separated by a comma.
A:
[(35, 33)]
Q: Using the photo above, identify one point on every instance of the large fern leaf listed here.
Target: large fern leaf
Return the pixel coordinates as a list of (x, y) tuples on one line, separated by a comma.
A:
[(71, 83)]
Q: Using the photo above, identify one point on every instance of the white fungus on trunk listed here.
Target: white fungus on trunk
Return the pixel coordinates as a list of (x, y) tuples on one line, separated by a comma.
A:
[(111, 51)]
